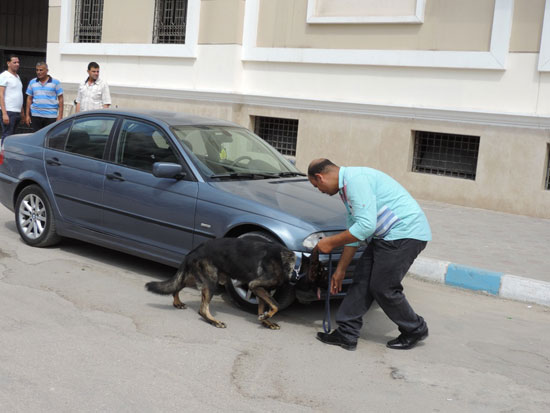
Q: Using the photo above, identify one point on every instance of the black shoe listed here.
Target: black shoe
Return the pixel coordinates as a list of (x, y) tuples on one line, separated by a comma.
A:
[(406, 341), (337, 339)]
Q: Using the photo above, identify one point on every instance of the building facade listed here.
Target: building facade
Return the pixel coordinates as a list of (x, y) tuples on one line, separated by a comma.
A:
[(451, 98)]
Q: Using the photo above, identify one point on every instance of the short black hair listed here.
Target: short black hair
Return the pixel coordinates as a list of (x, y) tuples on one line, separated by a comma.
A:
[(93, 65), (11, 56), (319, 167)]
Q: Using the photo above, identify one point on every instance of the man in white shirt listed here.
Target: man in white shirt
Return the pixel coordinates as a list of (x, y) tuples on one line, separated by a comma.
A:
[(11, 97), (94, 92)]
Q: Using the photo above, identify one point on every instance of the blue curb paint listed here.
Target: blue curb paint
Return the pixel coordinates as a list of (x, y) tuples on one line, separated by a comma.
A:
[(473, 278)]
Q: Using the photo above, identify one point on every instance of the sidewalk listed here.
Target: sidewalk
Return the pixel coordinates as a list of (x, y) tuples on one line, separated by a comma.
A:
[(503, 254)]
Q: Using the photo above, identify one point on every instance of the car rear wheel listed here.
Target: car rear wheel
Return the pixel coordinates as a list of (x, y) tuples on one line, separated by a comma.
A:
[(243, 297), (34, 218)]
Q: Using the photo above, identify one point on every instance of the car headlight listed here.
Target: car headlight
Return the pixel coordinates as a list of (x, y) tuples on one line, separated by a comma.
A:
[(311, 240)]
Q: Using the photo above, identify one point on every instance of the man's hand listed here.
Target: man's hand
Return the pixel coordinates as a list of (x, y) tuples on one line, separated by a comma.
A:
[(5, 119), (336, 281), (325, 245)]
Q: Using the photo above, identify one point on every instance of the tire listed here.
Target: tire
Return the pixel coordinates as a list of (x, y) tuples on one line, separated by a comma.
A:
[(239, 293), (34, 218)]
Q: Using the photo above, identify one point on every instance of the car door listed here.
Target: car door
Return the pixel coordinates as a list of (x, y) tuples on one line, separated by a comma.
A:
[(76, 169), (158, 213)]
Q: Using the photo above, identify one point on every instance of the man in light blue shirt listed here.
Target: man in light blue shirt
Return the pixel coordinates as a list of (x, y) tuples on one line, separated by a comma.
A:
[(44, 99), (382, 212)]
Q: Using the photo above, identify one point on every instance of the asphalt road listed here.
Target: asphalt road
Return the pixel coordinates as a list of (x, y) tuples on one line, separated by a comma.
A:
[(78, 332)]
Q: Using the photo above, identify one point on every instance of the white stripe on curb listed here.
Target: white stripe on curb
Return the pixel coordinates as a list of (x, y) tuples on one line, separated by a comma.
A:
[(429, 269), (525, 289)]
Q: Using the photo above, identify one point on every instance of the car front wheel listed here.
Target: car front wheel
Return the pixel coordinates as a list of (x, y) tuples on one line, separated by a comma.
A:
[(243, 297), (34, 218)]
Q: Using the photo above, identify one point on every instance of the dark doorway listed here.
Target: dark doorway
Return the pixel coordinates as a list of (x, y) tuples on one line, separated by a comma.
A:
[(23, 32)]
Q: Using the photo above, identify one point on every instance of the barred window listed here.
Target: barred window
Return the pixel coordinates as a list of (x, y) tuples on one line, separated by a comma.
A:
[(547, 183), (445, 154), (282, 134), (170, 21), (88, 21)]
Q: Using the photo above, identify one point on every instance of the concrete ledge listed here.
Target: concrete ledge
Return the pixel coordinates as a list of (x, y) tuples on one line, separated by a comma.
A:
[(477, 279), (525, 289)]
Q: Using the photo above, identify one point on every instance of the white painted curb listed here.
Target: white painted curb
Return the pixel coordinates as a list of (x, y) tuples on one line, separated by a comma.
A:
[(525, 289)]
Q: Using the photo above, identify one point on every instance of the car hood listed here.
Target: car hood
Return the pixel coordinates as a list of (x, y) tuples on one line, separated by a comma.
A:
[(286, 199)]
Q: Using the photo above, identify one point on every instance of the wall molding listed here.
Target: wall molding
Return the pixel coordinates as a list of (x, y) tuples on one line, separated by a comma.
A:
[(503, 119), (187, 50), (416, 18), (494, 59)]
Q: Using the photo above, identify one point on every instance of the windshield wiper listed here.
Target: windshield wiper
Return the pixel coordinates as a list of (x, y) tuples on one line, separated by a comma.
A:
[(244, 175), (283, 174)]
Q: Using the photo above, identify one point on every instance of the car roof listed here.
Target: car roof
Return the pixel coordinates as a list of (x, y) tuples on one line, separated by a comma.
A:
[(170, 118)]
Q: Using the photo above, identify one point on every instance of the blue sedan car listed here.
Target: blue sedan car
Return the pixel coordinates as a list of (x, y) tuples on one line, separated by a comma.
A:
[(157, 184)]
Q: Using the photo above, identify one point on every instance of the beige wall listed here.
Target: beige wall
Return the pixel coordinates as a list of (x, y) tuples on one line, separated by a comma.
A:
[(282, 23), (346, 8), (527, 26), (54, 20), (128, 21), (221, 22)]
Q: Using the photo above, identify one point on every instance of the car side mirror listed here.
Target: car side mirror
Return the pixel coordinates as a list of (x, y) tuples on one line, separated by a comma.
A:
[(168, 170)]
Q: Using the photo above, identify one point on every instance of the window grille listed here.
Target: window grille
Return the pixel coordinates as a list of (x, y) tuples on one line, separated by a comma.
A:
[(282, 134), (547, 183), (445, 154), (170, 21), (88, 21)]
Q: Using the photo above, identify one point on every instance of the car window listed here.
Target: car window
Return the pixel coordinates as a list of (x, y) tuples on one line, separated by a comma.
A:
[(218, 150), (89, 136), (140, 145), (57, 138)]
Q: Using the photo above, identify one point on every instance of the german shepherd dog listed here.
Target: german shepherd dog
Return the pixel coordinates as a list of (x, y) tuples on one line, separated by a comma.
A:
[(262, 265)]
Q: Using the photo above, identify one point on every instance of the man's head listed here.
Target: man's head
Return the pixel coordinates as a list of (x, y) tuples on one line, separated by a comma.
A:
[(13, 63), (41, 70), (93, 71), (323, 175)]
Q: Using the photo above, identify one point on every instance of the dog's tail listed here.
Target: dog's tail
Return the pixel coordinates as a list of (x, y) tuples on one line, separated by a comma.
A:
[(171, 286)]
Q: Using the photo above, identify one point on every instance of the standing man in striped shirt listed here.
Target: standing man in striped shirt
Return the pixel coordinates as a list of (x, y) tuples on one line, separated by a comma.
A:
[(44, 99), (382, 212)]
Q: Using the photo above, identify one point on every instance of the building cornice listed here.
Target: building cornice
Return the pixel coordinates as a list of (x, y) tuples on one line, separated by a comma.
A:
[(366, 109)]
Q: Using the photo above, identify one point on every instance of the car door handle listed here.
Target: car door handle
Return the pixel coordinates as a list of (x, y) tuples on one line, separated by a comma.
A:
[(53, 161), (116, 176)]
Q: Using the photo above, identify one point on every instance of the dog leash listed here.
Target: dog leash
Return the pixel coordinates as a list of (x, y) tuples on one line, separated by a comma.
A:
[(326, 320)]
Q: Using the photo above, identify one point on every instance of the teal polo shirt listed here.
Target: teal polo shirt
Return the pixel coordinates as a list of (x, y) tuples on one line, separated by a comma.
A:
[(379, 207)]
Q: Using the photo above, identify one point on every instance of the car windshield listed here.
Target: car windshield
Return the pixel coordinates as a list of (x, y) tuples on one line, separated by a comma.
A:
[(222, 152)]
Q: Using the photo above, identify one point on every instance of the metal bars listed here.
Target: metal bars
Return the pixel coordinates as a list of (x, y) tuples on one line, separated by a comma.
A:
[(88, 21), (445, 154), (282, 134), (170, 21)]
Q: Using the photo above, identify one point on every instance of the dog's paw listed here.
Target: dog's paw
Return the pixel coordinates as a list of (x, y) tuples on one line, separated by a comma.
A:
[(263, 316), (181, 306), (219, 324), (271, 325)]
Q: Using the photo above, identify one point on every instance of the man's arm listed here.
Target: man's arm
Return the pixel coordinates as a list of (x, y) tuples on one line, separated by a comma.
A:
[(5, 117), (326, 245), (60, 110), (77, 108), (27, 119), (340, 273), (106, 96)]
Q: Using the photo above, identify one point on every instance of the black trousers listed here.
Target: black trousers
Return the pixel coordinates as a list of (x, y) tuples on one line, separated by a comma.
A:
[(378, 276), (38, 122)]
